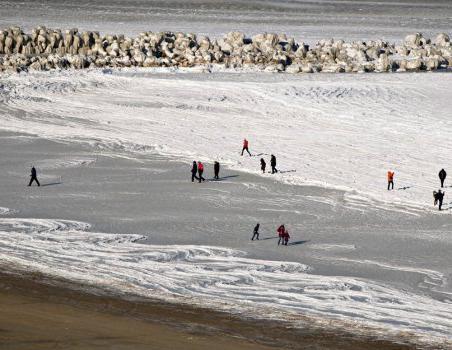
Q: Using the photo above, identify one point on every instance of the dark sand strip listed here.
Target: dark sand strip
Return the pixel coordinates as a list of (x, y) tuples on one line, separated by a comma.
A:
[(37, 313)]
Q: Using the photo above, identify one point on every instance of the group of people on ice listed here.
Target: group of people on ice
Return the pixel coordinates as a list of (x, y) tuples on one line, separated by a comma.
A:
[(197, 168), (197, 171), (263, 163), (282, 232), (438, 196)]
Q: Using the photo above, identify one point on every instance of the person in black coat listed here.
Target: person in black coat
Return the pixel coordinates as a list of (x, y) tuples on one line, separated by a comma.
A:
[(33, 177), (273, 164), (263, 165), (438, 196), (442, 176), (216, 170), (256, 232), (194, 170)]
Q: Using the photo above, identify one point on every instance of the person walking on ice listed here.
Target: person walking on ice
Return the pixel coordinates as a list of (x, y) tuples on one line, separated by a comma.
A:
[(281, 229), (438, 198), (245, 147), (216, 170), (256, 232), (200, 171), (273, 164), (263, 165), (286, 237), (194, 170), (390, 179), (442, 176), (33, 177)]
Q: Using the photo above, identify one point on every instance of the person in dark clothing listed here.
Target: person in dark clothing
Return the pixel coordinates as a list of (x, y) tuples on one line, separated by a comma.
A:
[(256, 232), (438, 196), (33, 177), (216, 170), (286, 237), (245, 147), (273, 164), (442, 176), (263, 165), (200, 171), (194, 170)]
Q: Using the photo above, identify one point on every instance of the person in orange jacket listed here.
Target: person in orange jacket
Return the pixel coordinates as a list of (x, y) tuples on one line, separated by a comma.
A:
[(245, 147), (200, 171), (390, 179)]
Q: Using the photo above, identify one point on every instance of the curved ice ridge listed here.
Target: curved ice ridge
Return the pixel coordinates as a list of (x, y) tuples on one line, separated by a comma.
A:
[(220, 278)]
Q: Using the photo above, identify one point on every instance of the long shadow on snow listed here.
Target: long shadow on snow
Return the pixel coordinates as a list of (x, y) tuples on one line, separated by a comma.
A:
[(224, 178), (299, 242), (51, 184)]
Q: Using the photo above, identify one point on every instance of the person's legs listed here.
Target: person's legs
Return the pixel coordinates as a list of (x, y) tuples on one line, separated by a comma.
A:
[(442, 183), (243, 150), (31, 181), (279, 240), (440, 204), (248, 151), (36, 179), (392, 185)]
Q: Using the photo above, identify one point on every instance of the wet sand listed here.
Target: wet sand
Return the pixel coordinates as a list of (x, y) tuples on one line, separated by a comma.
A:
[(38, 313)]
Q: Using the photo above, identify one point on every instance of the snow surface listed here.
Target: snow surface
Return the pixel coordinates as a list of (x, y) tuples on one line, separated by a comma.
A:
[(222, 278), (338, 131)]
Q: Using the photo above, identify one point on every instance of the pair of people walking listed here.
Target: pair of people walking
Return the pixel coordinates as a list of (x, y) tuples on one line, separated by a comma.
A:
[(283, 235), (197, 168), (272, 164), (439, 196)]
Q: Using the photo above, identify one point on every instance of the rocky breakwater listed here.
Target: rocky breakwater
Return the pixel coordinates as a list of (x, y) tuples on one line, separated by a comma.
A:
[(45, 49)]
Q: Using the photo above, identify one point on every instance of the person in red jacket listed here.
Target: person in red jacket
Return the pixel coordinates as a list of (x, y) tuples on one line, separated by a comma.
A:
[(200, 171), (245, 147), (281, 229)]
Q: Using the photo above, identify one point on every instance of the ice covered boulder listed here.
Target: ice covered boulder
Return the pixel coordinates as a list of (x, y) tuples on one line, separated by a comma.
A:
[(442, 39)]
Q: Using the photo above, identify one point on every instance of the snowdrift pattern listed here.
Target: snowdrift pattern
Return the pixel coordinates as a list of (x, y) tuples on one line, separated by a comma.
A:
[(219, 278)]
